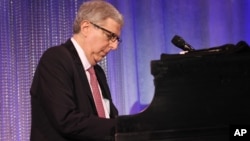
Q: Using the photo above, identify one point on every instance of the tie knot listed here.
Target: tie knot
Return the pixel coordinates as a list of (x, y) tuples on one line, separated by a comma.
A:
[(91, 70)]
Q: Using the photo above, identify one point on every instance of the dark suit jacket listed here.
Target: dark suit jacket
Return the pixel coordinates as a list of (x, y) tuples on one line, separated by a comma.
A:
[(62, 105)]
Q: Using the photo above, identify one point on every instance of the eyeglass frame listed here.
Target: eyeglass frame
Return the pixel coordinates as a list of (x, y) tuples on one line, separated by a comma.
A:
[(111, 36)]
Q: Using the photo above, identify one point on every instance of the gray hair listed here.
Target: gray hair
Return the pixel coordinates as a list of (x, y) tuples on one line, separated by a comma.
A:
[(96, 11)]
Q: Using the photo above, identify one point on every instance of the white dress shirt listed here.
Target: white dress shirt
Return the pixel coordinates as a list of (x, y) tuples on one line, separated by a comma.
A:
[(86, 66)]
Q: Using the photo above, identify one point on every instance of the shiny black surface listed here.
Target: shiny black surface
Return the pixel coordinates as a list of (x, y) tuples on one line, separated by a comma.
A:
[(197, 97)]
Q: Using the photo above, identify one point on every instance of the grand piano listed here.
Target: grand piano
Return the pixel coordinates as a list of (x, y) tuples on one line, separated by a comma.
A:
[(199, 96)]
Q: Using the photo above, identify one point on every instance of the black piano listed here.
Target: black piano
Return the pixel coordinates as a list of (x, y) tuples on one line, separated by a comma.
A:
[(198, 97)]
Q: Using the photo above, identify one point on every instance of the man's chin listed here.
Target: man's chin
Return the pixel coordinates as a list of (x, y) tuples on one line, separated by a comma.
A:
[(98, 60)]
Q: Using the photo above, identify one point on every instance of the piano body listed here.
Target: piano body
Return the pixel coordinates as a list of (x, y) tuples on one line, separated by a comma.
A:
[(198, 96)]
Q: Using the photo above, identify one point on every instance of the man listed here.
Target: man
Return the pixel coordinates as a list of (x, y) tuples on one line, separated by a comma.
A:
[(64, 107)]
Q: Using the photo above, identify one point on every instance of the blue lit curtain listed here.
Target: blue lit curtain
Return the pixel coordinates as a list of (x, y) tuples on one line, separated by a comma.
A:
[(28, 27), (149, 28)]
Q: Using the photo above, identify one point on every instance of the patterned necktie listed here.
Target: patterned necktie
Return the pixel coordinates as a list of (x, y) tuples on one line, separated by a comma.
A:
[(96, 93)]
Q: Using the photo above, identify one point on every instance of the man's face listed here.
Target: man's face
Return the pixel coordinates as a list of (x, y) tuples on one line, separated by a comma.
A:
[(101, 41)]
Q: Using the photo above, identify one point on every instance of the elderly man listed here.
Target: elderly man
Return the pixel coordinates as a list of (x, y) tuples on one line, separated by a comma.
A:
[(70, 97)]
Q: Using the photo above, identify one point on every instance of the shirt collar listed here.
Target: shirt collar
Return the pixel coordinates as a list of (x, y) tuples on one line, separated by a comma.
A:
[(81, 53)]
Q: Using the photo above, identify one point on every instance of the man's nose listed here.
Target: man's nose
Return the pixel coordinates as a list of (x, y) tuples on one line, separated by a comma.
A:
[(113, 45)]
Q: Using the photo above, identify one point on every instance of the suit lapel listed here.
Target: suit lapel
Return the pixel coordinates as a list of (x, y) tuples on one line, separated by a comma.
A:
[(69, 45), (102, 83), (105, 90), (100, 76)]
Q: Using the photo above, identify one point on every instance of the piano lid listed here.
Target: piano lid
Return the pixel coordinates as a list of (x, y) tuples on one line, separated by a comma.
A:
[(194, 91)]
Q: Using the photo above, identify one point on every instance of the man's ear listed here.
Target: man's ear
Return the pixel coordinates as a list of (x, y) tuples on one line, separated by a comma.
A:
[(85, 27)]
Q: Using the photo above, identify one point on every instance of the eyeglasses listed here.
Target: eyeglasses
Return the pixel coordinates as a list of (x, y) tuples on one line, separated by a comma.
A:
[(111, 36)]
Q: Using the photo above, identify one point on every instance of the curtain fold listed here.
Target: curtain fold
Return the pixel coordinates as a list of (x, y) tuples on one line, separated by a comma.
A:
[(29, 27)]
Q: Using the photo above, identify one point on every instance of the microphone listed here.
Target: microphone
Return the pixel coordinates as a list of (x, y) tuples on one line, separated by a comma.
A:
[(181, 43)]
